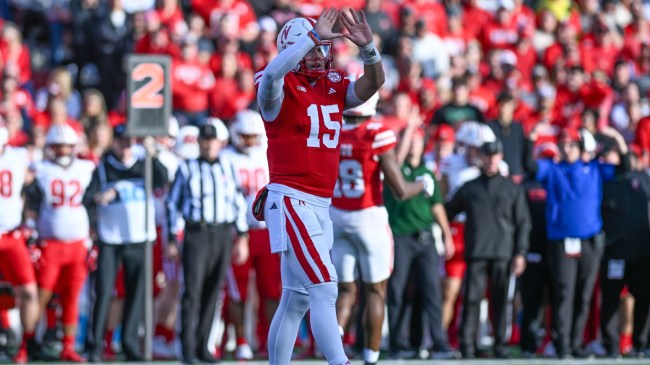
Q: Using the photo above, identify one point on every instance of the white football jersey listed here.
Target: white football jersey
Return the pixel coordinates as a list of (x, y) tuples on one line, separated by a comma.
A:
[(62, 215), (14, 163), (253, 169)]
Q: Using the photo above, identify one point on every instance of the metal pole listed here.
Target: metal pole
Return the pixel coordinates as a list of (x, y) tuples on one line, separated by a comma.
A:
[(148, 264)]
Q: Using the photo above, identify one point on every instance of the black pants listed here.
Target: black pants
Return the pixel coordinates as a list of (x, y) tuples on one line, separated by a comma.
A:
[(421, 256), (535, 282), (131, 256), (477, 275), (637, 274), (206, 256), (573, 280)]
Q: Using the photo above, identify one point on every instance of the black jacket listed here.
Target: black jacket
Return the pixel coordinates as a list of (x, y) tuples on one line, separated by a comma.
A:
[(536, 198), (498, 221), (115, 171), (625, 217)]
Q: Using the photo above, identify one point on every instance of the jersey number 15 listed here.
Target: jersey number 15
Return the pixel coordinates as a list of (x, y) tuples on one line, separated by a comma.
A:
[(328, 140)]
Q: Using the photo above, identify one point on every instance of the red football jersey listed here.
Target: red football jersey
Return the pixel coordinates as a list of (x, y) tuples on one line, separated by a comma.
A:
[(359, 184), (303, 141)]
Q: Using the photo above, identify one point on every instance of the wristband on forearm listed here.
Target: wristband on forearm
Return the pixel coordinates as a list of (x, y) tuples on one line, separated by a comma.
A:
[(370, 54), (314, 36)]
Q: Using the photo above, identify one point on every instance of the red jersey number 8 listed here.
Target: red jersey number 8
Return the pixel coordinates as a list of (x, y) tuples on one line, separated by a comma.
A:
[(6, 182), (350, 183), (328, 140)]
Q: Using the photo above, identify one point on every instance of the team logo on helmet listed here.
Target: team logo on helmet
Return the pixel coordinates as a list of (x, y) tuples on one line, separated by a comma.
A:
[(334, 76)]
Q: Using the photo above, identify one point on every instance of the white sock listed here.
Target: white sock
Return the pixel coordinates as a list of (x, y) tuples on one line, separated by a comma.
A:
[(341, 332), (285, 324), (370, 356), (322, 302)]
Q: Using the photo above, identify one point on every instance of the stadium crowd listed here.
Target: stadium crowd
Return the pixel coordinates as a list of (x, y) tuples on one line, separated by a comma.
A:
[(542, 83)]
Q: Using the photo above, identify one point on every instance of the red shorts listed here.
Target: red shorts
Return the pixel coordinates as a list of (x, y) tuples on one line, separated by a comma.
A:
[(158, 275), (266, 266), (62, 263), (15, 265), (456, 266)]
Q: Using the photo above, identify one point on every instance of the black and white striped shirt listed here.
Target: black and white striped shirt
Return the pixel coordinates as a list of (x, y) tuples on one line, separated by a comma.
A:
[(207, 192)]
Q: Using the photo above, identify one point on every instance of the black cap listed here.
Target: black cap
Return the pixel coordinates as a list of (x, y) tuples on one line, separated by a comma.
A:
[(492, 148), (119, 131), (208, 131)]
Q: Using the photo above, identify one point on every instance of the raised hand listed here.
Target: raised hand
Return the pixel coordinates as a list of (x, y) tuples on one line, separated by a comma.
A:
[(325, 23), (359, 31)]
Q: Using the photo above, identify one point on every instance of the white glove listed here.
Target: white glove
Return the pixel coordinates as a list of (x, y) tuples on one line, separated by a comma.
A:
[(429, 185)]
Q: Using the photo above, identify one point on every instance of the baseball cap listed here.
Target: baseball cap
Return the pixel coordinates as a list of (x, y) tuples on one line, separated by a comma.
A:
[(207, 131), (119, 131), (492, 148), (445, 133)]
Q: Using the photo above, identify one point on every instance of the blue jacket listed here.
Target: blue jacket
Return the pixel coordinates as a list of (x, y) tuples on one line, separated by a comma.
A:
[(574, 196)]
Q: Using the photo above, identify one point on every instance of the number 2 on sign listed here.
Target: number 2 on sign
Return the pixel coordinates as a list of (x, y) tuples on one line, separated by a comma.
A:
[(148, 95), (328, 140)]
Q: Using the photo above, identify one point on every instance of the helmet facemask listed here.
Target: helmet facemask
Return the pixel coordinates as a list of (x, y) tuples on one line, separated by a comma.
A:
[(323, 54)]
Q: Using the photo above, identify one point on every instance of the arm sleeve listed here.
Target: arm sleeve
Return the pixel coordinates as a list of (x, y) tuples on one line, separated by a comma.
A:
[(34, 195), (351, 98), (91, 190), (271, 82), (437, 192), (89, 199), (523, 223), (543, 168), (159, 178), (455, 205), (174, 200), (529, 161)]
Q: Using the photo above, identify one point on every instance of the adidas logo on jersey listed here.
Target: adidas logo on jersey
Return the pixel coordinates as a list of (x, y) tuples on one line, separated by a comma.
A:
[(302, 88), (273, 206), (332, 91)]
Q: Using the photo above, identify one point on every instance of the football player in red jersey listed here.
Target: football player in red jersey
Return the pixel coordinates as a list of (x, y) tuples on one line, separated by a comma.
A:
[(301, 101), (362, 236), (15, 263), (54, 201)]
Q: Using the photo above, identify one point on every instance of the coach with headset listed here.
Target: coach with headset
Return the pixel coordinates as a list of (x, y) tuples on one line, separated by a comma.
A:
[(206, 192), (574, 227)]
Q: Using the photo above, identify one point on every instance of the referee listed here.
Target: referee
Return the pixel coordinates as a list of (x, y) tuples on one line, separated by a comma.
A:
[(206, 192)]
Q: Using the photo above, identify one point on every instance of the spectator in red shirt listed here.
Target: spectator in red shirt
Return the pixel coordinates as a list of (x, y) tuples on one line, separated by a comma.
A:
[(157, 42), (229, 46), (432, 12), (225, 105), (14, 97), (16, 54), (565, 35), (475, 19), (14, 125), (57, 114), (570, 99), (191, 84), (598, 49), (170, 13), (502, 32), (636, 33), (230, 18)]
